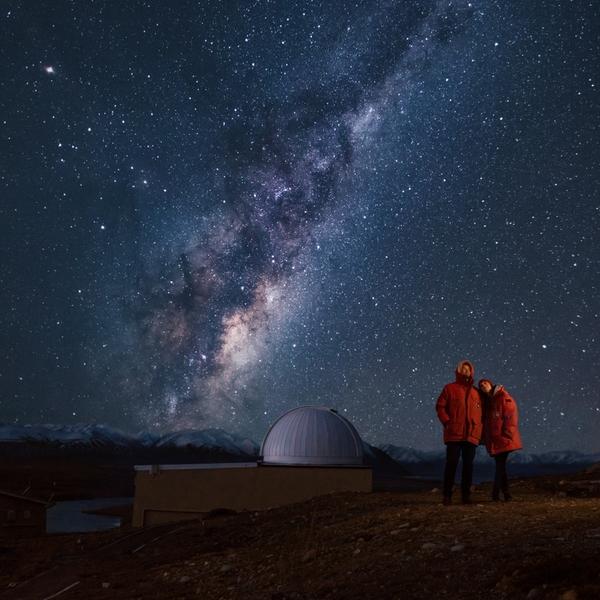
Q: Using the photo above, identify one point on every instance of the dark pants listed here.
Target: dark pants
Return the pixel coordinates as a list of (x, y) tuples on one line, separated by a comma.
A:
[(501, 478), (454, 450)]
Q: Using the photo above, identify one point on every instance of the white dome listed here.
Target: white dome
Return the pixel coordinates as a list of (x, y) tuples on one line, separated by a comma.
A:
[(312, 435)]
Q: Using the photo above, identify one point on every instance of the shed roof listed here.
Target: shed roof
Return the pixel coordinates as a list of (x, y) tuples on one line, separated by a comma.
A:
[(25, 498)]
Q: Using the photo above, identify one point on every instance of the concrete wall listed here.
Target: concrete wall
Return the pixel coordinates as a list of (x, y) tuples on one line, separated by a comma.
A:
[(178, 494)]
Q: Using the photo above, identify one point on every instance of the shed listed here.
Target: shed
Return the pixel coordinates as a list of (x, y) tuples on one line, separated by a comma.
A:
[(22, 515)]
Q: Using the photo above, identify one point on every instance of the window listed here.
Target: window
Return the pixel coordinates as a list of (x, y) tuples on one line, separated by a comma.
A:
[(11, 516), (27, 514)]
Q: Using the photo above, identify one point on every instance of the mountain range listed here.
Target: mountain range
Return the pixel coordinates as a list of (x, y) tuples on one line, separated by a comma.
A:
[(102, 436), (391, 457)]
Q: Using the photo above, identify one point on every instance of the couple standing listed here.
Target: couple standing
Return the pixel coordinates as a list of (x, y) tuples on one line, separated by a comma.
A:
[(472, 416)]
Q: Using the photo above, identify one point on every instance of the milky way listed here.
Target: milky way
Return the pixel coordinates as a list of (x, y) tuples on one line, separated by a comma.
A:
[(216, 214), (206, 334)]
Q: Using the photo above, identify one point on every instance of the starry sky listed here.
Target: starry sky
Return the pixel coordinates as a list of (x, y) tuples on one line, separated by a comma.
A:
[(212, 212)]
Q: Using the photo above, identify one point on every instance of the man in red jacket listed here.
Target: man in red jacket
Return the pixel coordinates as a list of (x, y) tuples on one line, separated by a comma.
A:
[(459, 410)]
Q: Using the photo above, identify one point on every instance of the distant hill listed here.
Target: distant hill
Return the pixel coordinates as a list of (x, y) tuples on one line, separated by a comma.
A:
[(85, 437), (430, 463), (99, 444)]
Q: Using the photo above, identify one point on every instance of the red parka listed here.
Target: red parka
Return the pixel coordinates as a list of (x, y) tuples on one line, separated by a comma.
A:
[(459, 409), (501, 433)]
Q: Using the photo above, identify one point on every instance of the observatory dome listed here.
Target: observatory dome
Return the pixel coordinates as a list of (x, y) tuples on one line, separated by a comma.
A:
[(312, 435)]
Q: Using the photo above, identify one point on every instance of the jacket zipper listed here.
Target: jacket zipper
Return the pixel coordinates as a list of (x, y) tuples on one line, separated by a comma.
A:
[(467, 411)]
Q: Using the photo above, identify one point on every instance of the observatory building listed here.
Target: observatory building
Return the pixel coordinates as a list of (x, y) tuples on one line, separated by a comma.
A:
[(309, 451)]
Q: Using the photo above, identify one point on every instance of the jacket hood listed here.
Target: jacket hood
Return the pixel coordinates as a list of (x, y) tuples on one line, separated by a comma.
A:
[(461, 378)]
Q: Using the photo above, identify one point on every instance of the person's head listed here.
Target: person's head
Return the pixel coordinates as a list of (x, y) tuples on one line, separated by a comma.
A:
[(465, 371), (485, 385)]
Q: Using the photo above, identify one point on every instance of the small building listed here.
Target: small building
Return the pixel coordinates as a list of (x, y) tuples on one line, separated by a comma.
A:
[(21, 515), (309, 451)]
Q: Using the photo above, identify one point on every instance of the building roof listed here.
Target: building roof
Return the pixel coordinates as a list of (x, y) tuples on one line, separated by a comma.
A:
[(195, 466), (312, 435)]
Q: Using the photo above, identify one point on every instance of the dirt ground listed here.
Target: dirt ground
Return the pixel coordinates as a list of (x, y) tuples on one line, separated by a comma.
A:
[(544, 544)]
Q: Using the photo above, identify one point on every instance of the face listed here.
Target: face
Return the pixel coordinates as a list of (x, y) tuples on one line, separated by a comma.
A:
[(465, 370), (486, 387)]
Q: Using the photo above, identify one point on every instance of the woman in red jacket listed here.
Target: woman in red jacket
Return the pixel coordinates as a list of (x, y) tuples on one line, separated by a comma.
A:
[(500, 432)]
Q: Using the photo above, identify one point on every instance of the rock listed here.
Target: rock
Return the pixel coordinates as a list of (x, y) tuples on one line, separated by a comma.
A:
[(593, 533), (569, 595), (504, 584), (184, 579), (403, 525), (226, 568), (357, 551), (435, 490), (105, 585), (309, 555), (457, 548), (429, 546), (533, 593)]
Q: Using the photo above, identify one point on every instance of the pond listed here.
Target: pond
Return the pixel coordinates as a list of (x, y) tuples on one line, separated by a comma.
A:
[(68, 516)]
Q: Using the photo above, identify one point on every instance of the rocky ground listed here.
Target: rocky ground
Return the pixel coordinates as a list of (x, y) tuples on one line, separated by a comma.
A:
[(402, 545)]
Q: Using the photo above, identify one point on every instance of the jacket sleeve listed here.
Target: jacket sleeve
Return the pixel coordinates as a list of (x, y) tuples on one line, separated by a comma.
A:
[(440, 407), (509, 417)]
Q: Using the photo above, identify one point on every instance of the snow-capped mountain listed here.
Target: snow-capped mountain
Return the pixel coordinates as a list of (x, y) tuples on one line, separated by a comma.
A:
[(102, 436), (209, 438), (411, 455), (72, 435), (566, 457), (557, 457)]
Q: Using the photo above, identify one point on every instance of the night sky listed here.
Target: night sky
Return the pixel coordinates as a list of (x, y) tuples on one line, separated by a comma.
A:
[(212, 212)]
